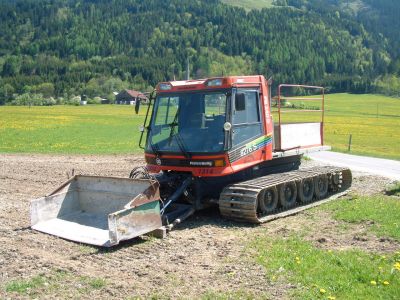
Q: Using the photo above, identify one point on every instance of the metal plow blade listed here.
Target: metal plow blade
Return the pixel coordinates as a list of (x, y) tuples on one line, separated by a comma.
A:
[(100, 211)]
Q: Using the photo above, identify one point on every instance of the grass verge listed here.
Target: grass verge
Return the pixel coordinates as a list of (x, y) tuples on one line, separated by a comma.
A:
[(382, 212), (325, 274), (57, 283)]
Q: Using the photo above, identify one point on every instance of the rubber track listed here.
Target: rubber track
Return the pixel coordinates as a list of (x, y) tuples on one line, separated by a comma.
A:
[(239, 201)]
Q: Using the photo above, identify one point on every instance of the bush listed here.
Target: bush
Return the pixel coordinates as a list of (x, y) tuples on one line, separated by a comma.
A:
[(74, 100), (32, 99), (49, 101), (95, 100)]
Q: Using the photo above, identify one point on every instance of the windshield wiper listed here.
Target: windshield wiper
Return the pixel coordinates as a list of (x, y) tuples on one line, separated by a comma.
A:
[(177, 136), (172, 126), (181, 145)]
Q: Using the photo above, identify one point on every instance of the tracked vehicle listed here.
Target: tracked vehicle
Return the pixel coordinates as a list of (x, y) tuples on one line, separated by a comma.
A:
[(214, 141), (209, 142)]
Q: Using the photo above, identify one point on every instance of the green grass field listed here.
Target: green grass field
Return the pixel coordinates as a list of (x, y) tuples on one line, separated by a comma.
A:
[(372, 120), (70, 129), (321, 273), (249, 4)]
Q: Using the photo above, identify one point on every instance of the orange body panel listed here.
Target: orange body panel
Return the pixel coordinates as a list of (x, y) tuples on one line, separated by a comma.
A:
[(254, 153)]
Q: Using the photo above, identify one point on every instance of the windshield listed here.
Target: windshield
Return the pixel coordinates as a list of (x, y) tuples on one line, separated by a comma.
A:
[(188, 122)]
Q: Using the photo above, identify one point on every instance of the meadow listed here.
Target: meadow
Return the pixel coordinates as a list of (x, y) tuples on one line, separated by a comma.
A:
[(92, 129), (249, 4), (372, 120)]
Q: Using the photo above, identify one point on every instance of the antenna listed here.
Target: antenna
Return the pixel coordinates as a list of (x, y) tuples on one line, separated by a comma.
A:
[(187, 69), (270, 81)]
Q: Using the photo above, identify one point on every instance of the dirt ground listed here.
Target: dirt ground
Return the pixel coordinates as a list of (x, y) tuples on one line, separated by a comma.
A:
[(205, 255)]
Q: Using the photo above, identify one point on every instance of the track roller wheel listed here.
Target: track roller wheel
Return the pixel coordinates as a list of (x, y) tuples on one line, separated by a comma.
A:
[(321, 186), (288, 194), (335, 181), (268, 200), (305, 190)]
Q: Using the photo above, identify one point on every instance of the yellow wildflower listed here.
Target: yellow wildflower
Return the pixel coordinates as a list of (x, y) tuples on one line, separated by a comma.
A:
[(397, 266), (373, 282), (386, 282), (322, 291), (331, 298)]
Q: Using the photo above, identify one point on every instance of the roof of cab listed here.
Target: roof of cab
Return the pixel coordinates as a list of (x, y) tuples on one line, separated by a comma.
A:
[(209, 83)]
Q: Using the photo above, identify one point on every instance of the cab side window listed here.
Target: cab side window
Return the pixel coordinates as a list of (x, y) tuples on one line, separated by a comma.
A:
[(246, 118)]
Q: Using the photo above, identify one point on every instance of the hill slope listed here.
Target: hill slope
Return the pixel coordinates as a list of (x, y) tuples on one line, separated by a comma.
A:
[(66, 47)]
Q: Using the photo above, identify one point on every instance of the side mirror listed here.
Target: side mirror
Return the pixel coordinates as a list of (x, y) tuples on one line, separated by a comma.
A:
[(137, 106), (240, 103)]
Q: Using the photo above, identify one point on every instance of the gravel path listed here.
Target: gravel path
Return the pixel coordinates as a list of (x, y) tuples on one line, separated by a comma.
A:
[(371, 165)]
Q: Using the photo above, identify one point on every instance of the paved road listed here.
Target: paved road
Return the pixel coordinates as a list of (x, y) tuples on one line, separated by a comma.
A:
[(378, 166)]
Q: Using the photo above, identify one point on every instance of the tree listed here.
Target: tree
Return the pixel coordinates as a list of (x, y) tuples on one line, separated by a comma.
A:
[(6, 93), (46, 89)]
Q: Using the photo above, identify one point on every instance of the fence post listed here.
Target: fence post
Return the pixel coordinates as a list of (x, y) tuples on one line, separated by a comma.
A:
[(350, 138)]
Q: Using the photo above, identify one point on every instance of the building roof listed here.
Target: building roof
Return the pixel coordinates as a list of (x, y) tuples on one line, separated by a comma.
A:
[(136, 94)]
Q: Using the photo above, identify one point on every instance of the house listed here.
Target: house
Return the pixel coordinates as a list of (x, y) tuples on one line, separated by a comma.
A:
[(129, 97)]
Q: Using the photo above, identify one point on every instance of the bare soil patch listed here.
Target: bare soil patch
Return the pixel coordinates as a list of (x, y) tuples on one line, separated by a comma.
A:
[(204, 255)]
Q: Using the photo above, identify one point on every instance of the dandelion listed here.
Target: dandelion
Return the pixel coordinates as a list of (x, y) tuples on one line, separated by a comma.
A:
[(322, 291), (397, 266), (331, 298), (373, 282), (386, 282)]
